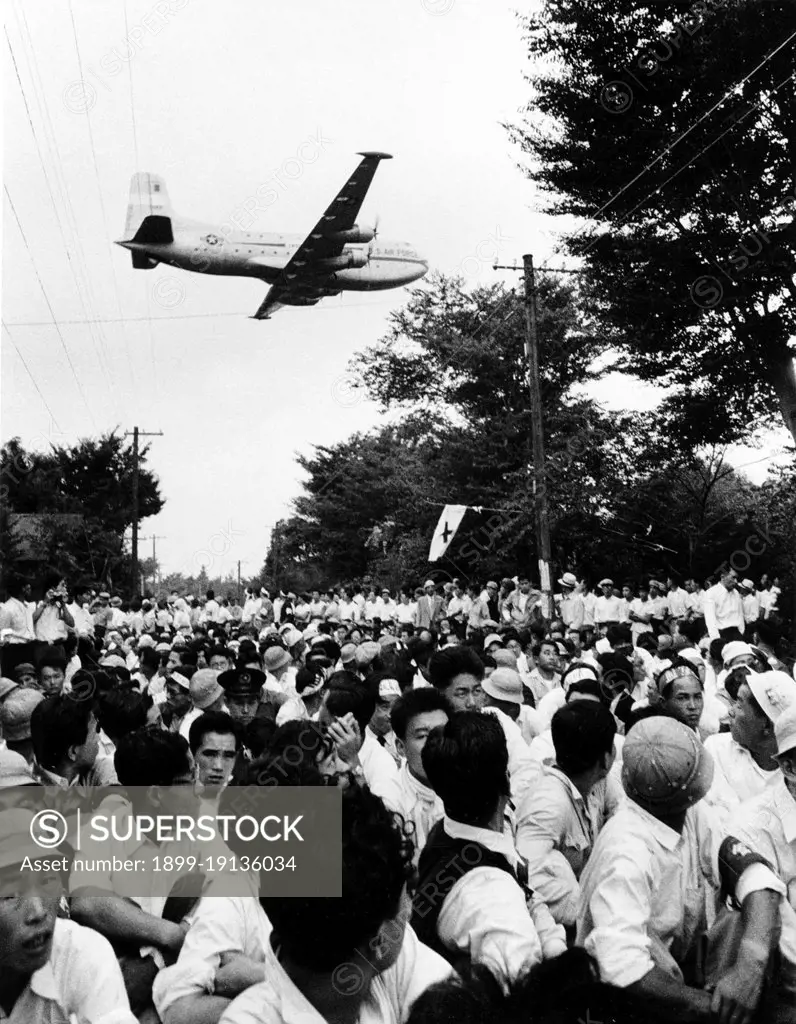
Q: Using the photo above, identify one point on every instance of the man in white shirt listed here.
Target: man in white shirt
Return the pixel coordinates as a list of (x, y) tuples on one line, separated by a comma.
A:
[(211, 608), (52, 620), (472, 901), (655, 866), (79, 610), (544, 676), (607, 607), (745, 757), (695, 600), (659, 602), (767, 824), (570, 602), (54, 971), (723, 609), (750, 602), (676, 598), (16, 617), (386, 609), (413, 716), (640, 612), (559, 819), (351, 958)]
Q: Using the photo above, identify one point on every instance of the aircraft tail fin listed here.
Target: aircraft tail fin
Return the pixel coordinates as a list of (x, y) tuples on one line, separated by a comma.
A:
[(148, 202)]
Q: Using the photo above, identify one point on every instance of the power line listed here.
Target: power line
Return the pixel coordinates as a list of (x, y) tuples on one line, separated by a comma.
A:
[(30, 374), (49, 306), (178, 316), (82, 282), (688, 131), (99, 190), (718, 138)]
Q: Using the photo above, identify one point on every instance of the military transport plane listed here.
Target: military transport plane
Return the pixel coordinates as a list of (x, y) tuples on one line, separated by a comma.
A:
[(337, 255)]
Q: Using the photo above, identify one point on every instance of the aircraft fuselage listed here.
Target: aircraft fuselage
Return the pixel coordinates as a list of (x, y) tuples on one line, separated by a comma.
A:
[(371, 266)]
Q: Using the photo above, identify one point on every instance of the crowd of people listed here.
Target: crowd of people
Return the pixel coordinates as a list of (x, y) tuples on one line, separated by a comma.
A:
[(578, 813)]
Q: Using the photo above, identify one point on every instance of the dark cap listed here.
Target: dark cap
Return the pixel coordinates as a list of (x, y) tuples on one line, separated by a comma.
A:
[(242, 682)]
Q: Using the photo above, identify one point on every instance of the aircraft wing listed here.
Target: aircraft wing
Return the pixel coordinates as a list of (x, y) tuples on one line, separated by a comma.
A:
[(304, 280)]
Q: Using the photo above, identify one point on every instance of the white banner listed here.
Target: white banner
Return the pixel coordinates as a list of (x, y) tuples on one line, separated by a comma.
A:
[(447, 526)]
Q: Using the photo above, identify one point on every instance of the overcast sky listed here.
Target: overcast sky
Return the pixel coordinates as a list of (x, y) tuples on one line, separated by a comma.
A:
[(221, 99)]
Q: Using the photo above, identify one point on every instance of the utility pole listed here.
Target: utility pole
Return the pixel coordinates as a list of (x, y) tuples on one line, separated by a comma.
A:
[(153, 538), (136, 434), (541, 508), (239, 590)]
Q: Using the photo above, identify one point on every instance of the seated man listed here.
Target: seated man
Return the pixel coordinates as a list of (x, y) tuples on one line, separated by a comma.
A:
[(472, 902), (653, 869), (223, 954), (352, 957), (745, 757), (767, 824), (558, 819), (65, 735), (413, 716), (130, 908), (215, 739), (52, 971), (458, 673)]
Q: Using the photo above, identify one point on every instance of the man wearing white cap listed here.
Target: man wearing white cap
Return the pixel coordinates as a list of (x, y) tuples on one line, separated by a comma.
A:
[(723, 609), (745, 757), (607, 607), (768, 825), (749, 601), (654, 867), (570, 602)]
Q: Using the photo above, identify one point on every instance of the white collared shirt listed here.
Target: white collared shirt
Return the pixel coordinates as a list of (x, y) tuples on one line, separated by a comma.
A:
[(556, 830), (379, 769), (737, 777), (767, 824), (388, 1000), (418, 804), (16, 622), (81, 981), (678, 602), (645, 890), (722, 609), (219, 924), (607, 609), (485, 914)]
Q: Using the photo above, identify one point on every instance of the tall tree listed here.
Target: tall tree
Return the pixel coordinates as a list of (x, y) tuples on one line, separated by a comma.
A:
[(668, 129), (80, 499)]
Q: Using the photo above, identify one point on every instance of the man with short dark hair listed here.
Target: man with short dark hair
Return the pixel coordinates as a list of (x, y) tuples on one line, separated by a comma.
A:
[(316, 941), (545, 675), (723, 609), (559, 818), (65, 735), (414, 714), (215, 740), (472, 902), (347, 709), (52, 672), (458, 673), (127, 907)]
